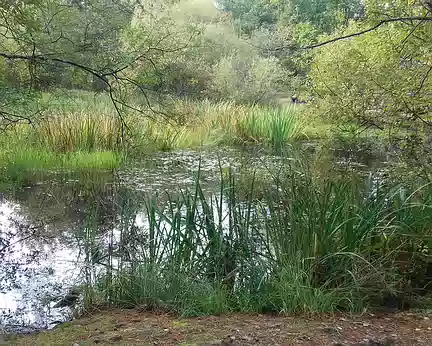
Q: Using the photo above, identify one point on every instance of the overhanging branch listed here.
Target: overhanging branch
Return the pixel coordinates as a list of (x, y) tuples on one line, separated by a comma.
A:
[(46, 59), (359, 33)]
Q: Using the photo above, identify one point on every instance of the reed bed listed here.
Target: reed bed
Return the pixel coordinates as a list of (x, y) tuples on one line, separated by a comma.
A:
[(300, 247), (84, 122)]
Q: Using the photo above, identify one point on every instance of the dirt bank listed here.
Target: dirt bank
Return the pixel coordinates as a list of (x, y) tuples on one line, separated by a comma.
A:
[(130, 327)]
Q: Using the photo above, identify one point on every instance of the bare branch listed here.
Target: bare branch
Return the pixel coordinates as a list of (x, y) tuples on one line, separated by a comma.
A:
[(425, 77), (45, 58), (359, 33)]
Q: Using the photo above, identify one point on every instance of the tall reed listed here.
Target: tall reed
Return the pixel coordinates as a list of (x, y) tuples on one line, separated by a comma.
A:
[(300, 247), (273, 125), (68, 132)]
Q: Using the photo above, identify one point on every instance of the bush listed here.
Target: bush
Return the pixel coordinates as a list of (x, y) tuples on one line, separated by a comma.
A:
[(246, 80)]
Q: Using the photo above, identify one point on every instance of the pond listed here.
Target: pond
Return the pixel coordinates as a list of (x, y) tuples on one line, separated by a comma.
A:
[(54, 231)]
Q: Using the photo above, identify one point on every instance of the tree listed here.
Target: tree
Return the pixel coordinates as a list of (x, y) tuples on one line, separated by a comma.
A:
[(217, 63), (380, 75), (323, 15), (61, 43), (250, 15)]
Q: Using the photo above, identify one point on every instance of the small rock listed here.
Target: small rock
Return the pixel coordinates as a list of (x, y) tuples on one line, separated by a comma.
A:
[(248, 339)]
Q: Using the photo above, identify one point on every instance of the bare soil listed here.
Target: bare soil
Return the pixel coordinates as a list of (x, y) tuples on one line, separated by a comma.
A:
[(131, 327)]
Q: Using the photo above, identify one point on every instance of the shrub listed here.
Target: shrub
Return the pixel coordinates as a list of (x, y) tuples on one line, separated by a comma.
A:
[(246, 80)]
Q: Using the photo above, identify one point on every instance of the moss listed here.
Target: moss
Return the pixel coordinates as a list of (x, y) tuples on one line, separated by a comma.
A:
[(81, 332)]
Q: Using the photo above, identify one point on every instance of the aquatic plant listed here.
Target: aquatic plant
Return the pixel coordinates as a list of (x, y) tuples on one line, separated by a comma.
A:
[(302, 246), (275, 126)]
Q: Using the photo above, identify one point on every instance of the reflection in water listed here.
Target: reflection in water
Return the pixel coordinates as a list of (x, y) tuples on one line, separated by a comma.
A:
[(32, 271), (57, 234)]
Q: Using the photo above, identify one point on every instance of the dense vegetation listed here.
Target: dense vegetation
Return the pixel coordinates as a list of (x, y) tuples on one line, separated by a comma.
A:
[(267, 242), (91, 84), (161, 61)]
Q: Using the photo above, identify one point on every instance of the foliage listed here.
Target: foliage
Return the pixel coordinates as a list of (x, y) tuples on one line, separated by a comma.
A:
[(279, 28), (215, 61), (304, 245), (324, 15), (85, 33), (275, 126), (252, 15), (381, 80), (242, 80)]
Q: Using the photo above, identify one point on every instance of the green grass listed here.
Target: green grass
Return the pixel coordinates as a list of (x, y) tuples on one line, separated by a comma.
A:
[(17, 167), (300, 246), (82, 122), (27, 159), (275, 126)]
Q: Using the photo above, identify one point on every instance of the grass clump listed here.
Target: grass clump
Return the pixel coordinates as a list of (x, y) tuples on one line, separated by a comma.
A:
[(302, 246), (18, 167), (208, 123), (275, 126), (78, 132)]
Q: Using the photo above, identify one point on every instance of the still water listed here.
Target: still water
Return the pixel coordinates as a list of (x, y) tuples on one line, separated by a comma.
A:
[(44, 227)]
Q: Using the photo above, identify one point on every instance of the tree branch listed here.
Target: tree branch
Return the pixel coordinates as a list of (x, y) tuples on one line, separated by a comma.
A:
[(359, 33), (44, 58), (425, 77)]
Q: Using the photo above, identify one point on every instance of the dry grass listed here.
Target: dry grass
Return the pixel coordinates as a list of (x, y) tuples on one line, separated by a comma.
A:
[(78, 131)]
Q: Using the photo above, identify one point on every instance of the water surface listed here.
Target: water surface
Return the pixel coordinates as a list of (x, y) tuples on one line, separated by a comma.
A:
[(55, 230)]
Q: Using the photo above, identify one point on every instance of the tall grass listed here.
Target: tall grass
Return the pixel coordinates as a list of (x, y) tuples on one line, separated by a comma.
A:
[(85, 122), (210, 123), (300, 247), (79, 132), (273, 125)]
